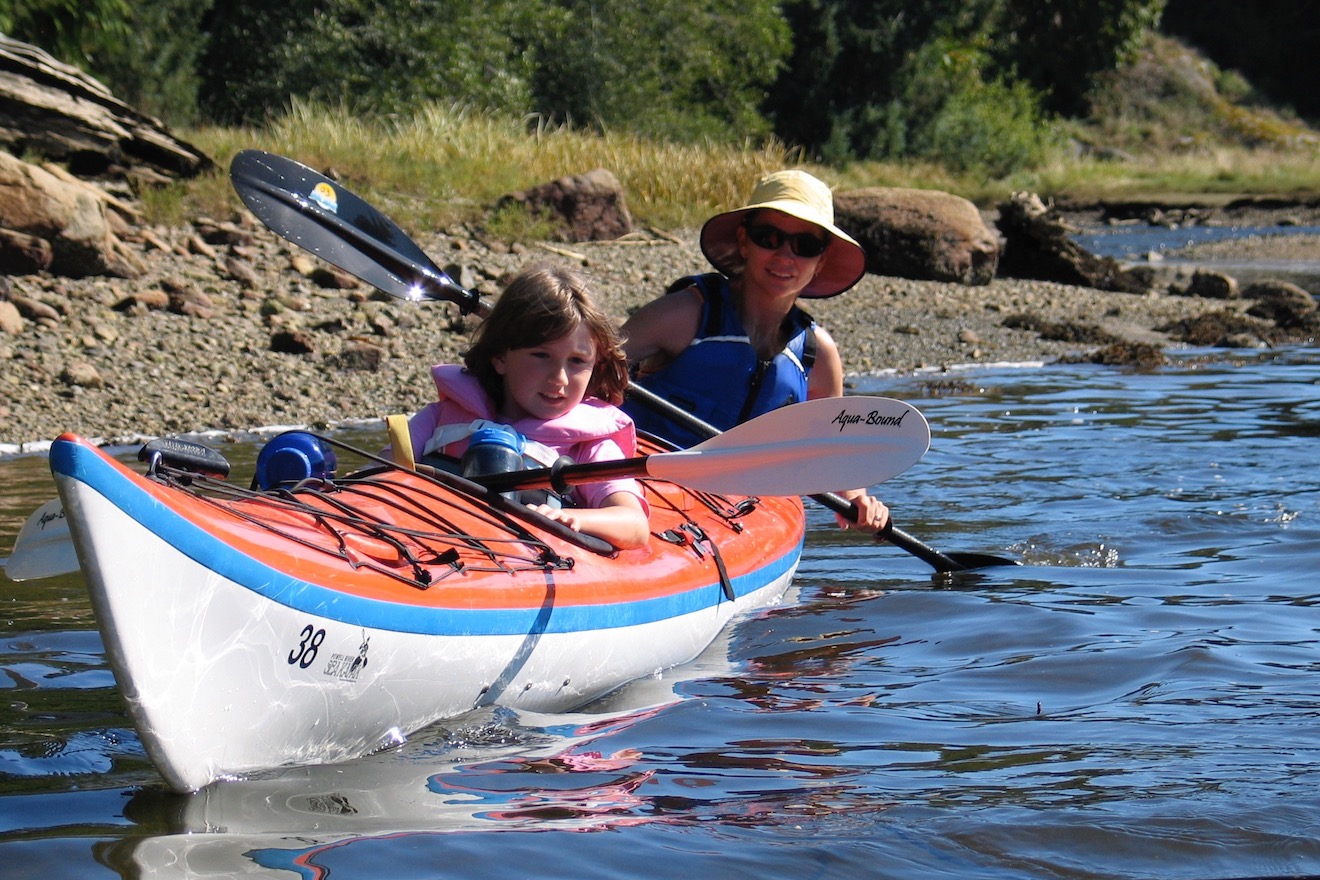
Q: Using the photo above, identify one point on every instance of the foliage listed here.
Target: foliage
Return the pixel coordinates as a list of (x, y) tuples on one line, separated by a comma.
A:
[(154, 67), (683, 69), (970, 119), (1059, 46), (934, 88), (377, 56), (845, 72), (1172, 99), (146, 53), (79, 32), (981, 87), (1267, 41)]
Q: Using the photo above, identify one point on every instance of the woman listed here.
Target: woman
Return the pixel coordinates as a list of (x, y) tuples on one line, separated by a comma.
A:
[(733, 345)]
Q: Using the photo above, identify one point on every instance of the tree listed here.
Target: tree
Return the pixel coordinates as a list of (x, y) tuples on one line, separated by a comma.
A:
[(679, 69), (154, 67), (969, 83), (1263, 40), (77, 32), (378, 57), (1060, 45), (840, 93)]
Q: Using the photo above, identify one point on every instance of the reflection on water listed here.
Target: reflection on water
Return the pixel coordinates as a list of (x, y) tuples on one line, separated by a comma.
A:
[(1141, 699)]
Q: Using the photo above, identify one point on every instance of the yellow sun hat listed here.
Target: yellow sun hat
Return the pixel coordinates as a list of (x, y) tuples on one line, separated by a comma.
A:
[(799, 195)]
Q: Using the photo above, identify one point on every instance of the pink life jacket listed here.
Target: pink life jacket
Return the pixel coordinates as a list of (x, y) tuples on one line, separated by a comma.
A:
[(591, 431)]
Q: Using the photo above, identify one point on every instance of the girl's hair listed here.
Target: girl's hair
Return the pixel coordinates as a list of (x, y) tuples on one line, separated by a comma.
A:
[(543, 304)]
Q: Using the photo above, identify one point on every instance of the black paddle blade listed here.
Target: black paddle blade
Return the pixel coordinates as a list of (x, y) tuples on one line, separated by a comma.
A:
[(941, 562), (329, 220), (971, 561)]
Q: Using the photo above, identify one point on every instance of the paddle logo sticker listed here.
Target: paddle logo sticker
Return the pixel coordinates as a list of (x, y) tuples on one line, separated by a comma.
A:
[(846, 419), (47, 518), (324, 195)]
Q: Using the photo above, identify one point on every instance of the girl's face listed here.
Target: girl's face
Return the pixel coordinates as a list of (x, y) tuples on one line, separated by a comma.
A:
[(546, 381)]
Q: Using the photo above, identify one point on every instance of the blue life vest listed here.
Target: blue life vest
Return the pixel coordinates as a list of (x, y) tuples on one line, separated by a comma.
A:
[(719, 378)]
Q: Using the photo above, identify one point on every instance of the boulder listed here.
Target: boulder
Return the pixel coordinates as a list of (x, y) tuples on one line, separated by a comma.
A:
[(1209, 284), (1282, 302), (925, 235), (68, 214), (590, 207), (23, 254), (1038, 245), (55, 110)]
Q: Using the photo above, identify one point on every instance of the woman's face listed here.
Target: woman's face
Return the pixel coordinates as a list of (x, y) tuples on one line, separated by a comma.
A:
[(782, 253), (546, 381)]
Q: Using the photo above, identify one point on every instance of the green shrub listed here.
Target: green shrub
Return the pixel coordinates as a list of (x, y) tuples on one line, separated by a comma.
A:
[(991, 129)]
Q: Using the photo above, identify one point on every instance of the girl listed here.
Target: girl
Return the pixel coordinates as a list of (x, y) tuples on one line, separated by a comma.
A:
[(549, 364)]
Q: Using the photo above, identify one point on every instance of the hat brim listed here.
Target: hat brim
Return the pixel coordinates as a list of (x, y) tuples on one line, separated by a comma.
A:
[(845, 261)]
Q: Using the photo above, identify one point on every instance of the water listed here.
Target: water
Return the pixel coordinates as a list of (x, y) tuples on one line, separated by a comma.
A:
[(1142, 699), (1139, 244)]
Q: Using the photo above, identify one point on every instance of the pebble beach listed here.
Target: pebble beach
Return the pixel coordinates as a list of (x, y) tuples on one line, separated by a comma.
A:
[(229, 328)]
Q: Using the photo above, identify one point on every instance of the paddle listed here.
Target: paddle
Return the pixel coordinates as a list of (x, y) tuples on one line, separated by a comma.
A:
[(794, 450), (939, 561), (43, 547), (317, 214), (279, 191)]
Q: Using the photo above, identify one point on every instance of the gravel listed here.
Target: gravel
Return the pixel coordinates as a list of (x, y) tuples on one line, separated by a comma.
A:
[(191, 345)]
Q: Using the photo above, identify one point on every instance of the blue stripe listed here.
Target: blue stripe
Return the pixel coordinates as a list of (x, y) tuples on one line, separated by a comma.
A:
[(87, 466)]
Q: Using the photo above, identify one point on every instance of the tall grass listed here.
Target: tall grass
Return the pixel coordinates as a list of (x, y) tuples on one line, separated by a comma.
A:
[(1209, 172), (445, 167)]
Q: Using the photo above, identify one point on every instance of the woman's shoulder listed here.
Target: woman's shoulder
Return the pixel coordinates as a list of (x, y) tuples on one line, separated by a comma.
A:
[(685, 300)]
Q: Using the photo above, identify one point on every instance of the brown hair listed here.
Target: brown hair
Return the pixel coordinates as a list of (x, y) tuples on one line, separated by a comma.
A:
[(542, 304)]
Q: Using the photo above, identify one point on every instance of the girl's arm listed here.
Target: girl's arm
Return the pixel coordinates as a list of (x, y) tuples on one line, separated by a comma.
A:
[(620, 519)]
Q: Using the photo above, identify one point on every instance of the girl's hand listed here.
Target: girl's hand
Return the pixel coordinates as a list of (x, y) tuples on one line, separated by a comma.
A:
[(622, 520), (565, 515)]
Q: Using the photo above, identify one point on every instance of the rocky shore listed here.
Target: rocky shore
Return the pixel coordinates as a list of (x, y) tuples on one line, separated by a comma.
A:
[(230, 328)]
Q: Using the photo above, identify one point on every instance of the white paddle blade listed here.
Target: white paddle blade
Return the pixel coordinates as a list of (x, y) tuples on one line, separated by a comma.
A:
[(44, 547), (821, 445)]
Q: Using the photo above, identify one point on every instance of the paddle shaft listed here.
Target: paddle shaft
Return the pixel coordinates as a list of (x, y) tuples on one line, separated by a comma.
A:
[(562, 476)]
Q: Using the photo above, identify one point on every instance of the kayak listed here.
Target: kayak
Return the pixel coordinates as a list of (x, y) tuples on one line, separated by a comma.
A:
[(250, 630)]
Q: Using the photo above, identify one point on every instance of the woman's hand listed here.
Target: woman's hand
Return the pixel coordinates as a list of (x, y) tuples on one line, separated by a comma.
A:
[(872, 514)]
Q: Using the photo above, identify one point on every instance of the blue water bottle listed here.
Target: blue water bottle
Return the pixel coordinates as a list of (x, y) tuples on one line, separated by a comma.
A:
[(494, 450)]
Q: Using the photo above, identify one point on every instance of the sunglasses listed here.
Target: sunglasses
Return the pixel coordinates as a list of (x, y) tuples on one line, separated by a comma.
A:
[(772, 238)]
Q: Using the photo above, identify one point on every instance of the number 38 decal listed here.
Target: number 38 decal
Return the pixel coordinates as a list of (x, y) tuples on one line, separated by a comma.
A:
[(309, 643)]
